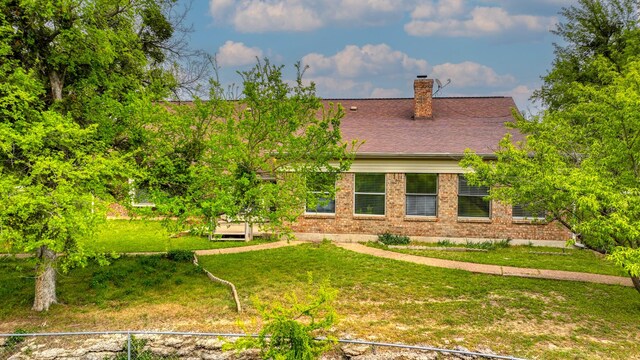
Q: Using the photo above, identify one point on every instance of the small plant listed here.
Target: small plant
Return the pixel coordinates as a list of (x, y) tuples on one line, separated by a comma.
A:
[(489, 245), (391, 239), (291, 329), (139, 353), (180, 255), (14, 340), (445, 243)]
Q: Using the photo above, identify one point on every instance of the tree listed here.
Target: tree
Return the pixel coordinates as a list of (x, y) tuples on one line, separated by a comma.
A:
[(71, 72), (248, 159), (580, 160)]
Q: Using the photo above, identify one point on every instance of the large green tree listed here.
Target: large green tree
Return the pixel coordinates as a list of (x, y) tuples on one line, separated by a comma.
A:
[(580, 160), (249, 158), (71, 73)]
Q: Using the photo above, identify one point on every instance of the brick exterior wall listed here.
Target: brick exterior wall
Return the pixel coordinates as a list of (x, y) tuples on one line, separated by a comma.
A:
[(445, 225)]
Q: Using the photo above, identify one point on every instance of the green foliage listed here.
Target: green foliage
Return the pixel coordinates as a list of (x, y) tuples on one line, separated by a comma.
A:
[(290, 329), (12, 341), (445, 243), (392, 239), (580, 160), (627, 258), (489, 244), (244, 159), (139, 353), (180, 255), (71, 72)]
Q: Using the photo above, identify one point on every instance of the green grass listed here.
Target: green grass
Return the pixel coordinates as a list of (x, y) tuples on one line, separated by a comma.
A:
[(123, 236), (524, 256), (379, 299)]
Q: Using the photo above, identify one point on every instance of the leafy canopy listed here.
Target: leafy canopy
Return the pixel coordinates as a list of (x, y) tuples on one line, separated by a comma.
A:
[(246, 159), (580, 160)]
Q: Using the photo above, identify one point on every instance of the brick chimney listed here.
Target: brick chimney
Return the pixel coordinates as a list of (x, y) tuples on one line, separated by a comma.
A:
[(423, 95)]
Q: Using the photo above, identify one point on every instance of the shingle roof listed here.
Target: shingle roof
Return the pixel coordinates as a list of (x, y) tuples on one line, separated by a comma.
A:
[(388, 128)]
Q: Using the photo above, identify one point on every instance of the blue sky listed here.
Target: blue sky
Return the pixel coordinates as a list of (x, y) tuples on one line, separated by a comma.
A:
[(375, 48)]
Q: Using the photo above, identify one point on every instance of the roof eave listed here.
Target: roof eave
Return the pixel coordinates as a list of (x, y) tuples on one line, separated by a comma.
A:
[(432, 156)]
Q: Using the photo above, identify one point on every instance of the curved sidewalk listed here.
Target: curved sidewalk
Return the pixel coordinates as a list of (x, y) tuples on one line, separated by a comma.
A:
[(489, 269)]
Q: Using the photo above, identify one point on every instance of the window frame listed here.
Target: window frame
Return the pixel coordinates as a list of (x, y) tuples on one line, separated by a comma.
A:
[(134, 193), (407, 194), (461, 177), (306, 206), (525, 218), (383, 194)]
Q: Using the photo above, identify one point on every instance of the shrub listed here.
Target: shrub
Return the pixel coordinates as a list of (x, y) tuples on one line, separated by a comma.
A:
[(180, 255), (12, 341), (445, 243), (391, 239), (489, 245), (290, 329)]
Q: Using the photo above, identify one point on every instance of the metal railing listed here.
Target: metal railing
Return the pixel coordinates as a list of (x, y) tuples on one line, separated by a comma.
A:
[(131, 333)]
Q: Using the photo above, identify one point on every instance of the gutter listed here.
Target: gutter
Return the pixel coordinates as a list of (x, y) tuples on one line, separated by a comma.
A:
[(435, 156)]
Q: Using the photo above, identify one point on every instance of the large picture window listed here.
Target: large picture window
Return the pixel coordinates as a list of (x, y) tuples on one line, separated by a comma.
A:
[(321, 201), (421, 194), (471, 202), (369, 194)]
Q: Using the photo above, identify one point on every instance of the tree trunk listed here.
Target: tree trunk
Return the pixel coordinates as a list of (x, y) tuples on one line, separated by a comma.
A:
[(45, 280), (56, 85), (636, 282)]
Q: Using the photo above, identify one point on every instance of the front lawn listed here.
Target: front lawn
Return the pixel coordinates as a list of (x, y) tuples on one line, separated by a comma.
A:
[(537, 257), (379, 299), (122, 236)]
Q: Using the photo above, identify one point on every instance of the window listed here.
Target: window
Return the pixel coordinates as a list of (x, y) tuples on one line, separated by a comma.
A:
[(471, 202), (323, 200), (370, 194), (421, 194), (521, 211), (139, 194)]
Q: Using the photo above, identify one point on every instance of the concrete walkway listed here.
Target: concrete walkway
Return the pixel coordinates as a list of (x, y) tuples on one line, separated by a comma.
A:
[(489, 269), (241, 249)]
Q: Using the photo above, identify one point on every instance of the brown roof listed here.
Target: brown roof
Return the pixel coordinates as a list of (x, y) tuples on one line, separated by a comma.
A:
[(388, 128)]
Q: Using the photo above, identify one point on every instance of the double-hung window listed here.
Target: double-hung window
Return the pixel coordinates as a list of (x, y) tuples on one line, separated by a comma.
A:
[(421, 194), (321, 201), (471, 200), (369, 194)]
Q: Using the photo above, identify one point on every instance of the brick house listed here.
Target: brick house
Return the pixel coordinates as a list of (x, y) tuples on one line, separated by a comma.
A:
[(406, 180)]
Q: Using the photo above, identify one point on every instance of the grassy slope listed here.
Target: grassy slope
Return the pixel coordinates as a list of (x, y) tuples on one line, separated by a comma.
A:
[(526, 256), (379, 299), (141, 236)]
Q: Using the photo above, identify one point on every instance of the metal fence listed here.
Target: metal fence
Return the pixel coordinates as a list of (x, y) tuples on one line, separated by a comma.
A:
[(130, 334)]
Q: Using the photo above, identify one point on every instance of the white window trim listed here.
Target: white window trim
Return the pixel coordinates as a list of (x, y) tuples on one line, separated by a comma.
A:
[(132, 196)]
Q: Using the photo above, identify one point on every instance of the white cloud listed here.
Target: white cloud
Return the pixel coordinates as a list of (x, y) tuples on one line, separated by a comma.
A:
[(470, 74), (354, 61), (428, 17), (386, 93), (237, 54), (445, 19), (262, 16), (304, 15)]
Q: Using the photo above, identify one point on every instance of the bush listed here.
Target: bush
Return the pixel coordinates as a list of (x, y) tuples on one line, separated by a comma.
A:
[(489, 245), (12, 341), (391, 239), (291, 329), (180, 255), (445, 243)]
